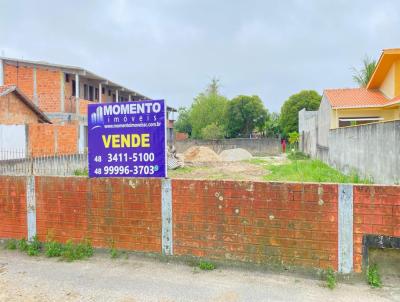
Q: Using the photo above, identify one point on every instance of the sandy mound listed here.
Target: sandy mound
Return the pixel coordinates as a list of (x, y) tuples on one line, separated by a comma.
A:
[(200, 154), (235, 154)]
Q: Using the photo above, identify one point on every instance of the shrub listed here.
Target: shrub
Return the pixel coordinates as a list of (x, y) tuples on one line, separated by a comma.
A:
[(297, 155), (78, 251), (212, 131), (81, 172), (53, 249)]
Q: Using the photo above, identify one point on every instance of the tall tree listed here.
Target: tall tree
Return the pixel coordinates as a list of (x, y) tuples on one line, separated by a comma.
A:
[(362, 76), (183, 123), (208, 108), (243, 114), (289, 117), (272, 127)]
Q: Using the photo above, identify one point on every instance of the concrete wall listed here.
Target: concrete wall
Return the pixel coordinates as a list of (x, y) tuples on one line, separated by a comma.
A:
[(324, 122), (308, 131), (257, 147), (373, 150)]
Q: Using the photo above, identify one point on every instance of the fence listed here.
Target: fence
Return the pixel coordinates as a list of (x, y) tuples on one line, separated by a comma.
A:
[(19, 162)]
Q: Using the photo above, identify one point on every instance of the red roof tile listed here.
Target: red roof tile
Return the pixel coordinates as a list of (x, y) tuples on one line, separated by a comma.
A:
[(356, 97)]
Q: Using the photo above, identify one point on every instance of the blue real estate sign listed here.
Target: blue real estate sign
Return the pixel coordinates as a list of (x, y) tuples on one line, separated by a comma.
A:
[(127, 139)]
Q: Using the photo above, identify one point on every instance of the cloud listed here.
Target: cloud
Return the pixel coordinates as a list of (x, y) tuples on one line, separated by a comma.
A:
[(171, 49)]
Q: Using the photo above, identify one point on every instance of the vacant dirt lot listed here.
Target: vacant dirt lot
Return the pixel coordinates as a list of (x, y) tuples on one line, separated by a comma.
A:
[(28, 279), (253, 169)]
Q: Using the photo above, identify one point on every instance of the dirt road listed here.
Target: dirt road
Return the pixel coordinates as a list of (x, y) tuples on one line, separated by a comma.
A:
[(28, 279)]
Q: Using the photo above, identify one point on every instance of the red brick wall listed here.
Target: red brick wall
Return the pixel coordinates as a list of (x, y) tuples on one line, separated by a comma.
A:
[(42, 139), (22, 76), (14, 112), (126, 212), (290, 224), (13, 207), (48, 84), (181, 136), (376, 212)]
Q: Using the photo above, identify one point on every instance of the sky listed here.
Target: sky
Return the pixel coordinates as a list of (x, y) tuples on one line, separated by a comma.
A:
[(172, 49)]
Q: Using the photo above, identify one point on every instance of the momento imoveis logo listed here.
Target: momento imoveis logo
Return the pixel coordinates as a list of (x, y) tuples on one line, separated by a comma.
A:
[(97, 118)]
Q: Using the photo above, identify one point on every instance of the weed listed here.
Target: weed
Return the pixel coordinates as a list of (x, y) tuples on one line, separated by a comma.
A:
[(373, 277), (34, 247), (330, 278), (206, 266), (11, 244), (81, 172), (114, 253), (53, 248), (22, 245), (78, 251)]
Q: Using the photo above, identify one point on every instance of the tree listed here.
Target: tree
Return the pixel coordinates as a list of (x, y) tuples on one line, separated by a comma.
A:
[(183, 123), (289, 117), (208, 108), (271, 127), (243, 114), (212, 131), (362, 76)]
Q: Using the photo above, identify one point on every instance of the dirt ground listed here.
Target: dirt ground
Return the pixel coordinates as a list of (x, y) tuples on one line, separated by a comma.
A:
[(253, 169), (34, 279)]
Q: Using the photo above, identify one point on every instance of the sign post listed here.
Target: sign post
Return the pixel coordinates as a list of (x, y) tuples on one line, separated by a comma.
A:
[(127, 139)]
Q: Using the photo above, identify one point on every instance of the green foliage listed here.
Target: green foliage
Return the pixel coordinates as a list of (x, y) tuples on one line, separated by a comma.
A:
[(212, 131), (289, 117), (34, 247), (309, 171), (271, 126), (330, 278), (78, 251), (362, 76), (11, 244), (373, 277), (294, 137), (53, 249), (114, 253), (183, 123), (208, 108), (206, 266), (81, 172), (244, 114), (22, 245)]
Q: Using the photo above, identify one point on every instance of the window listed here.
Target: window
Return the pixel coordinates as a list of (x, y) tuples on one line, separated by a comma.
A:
[(73, 87), (113, 98), (103, 91), (67, 77), (85, 92), (354, 121), (109, 92), (91, 96), (96, 94)]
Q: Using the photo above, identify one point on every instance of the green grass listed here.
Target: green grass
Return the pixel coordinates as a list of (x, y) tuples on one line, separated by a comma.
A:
[(330, 278), (309, 171), (206, 266), (373, 277)]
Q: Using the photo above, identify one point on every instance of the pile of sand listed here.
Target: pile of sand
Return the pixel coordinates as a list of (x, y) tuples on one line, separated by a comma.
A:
[(237, 154), (200, 154)]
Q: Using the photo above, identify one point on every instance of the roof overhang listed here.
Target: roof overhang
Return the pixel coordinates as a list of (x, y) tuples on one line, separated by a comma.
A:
[(386, 60)]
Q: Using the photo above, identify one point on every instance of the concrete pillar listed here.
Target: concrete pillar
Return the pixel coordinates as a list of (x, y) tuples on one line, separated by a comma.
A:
[(62, 91), (1, 72), (116, 96), (166, 217), (35, 95), (77, 93), (100, 94), (345, 229), (31, 207), (129, 97)]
